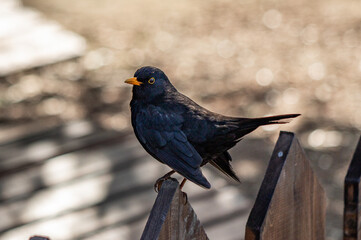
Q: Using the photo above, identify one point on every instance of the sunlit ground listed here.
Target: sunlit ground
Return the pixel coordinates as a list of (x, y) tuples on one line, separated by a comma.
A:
[(240, 58)]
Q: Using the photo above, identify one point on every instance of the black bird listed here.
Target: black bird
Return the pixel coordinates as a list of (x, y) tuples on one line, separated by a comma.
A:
[(181, 134)]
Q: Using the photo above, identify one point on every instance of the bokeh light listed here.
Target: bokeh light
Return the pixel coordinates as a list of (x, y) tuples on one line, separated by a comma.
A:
[(316, 71), (272, 19), (264, 77)]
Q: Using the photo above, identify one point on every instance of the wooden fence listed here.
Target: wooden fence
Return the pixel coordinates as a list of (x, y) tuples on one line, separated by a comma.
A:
[(291, 203)]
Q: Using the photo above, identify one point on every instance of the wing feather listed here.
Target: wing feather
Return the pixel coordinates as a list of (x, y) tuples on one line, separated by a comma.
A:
[(162, 136)]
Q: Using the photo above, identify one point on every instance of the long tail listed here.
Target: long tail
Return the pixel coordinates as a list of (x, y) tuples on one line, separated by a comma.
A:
[(244, 126), (247, 125), (252, 122)]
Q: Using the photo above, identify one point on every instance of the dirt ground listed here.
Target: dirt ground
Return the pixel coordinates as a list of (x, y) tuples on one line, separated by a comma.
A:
[(240, 58)]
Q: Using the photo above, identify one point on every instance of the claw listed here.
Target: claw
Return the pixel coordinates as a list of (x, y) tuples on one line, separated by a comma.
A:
[(185, 198), (159, 182)]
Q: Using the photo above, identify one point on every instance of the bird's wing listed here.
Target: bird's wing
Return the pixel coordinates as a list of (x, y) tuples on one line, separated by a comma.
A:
[(160, 133)]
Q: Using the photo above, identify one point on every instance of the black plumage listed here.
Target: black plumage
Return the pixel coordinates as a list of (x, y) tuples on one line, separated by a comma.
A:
[(181, 134)]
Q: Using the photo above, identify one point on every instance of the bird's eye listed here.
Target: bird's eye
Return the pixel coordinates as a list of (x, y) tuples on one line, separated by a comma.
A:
[(151, 80)]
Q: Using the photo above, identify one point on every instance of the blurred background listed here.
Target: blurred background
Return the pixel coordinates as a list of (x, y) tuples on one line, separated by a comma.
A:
[(70, 166)]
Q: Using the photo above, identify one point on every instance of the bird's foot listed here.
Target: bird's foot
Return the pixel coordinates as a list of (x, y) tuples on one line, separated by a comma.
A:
[(185, 198), (159, 182)]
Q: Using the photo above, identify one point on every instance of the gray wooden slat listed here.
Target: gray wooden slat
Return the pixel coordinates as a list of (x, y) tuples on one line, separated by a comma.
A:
[(12, 133), (18, 147), (69, 168), (99, 218), (50, 203), (30, 155)]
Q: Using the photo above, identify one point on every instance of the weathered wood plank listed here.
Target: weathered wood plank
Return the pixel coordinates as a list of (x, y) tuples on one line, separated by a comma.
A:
[(172, 217), (117, 212), (61, 170), (352, 195), (291, 204), (85, 193), (27, 154)]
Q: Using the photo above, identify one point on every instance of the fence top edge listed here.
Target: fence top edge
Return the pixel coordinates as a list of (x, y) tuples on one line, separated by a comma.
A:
[(354, 170)]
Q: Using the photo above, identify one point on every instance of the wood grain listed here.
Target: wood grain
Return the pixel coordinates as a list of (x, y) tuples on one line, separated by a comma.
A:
[(352, 195), (291, 204), (172, 217)]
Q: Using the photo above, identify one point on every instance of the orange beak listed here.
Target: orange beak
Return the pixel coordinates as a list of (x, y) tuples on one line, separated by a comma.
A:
[(133, 81)]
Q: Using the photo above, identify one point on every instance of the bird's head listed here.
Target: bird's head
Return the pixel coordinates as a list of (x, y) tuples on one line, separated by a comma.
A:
[(149, 83)]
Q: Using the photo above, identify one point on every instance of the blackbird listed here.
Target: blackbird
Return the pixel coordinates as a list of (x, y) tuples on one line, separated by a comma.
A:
[(181, 134)]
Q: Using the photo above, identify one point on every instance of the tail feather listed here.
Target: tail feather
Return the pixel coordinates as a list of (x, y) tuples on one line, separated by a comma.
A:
[(222, 163), (247, 125), (274, 119), (241, 127)]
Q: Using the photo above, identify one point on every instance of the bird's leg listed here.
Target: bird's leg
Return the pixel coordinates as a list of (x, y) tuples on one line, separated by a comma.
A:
[(184, 194), (159, 181), (182, 183)]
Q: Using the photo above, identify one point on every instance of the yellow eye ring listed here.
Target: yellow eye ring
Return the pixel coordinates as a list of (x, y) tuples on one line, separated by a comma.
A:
[(151, 80)]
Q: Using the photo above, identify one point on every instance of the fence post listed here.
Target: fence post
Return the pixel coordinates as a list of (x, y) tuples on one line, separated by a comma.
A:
[(352, 195), (291, 204), (172, 217)]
